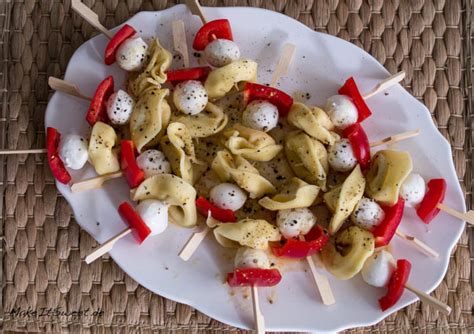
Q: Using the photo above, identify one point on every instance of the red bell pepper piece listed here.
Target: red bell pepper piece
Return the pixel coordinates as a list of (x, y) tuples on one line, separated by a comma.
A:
[(396, 285), (279, 99), (195, 73), (428, 208), (385, 231), (120, 36), (316, 238), (140, 230), (98, 107), (253, 277), (55, 163), (350, 89), (223, 215), (133, 173), (217, 29), (360, 144)]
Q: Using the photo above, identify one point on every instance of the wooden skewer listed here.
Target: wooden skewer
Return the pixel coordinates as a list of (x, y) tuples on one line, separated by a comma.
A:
[(420, 245), (468, 217), (193, 243), (95, 182), (66, 87), (26, 151), (283, 63), (426, 298), (179, 40), (384, 84), (196, 9), (396, 138), (90, 16), (106, 246), (258, 316)]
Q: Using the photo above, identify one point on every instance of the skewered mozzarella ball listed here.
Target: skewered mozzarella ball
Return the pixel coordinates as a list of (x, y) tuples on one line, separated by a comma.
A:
[(293, 222), (378, 269), (73, 151), (367, 214), (154, 214), (221, 52), (228, 196), (153, 162), (120, 107), (132, 54), (190, 97), (413, 189), (251, 258), (341, 156), (341, 111), (260, 115)]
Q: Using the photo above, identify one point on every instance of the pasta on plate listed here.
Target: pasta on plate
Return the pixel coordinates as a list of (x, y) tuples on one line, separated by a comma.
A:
[(101, 149)]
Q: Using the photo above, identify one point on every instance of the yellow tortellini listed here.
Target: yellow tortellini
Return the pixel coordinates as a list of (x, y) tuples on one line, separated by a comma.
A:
[(210, 121), (101, 149), (388, 170), (221, 80), (314, 121), (295, 194), (247, 177), (149, 118), (253, 233), (174, 191), (251, 144)]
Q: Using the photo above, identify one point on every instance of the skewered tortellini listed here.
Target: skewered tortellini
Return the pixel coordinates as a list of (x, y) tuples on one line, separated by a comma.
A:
[(388, 170), (253, 233), (251, 144), (295, 194), (174, 191), (247, 177), (150, 117), (210, 121), (307, 157), (221, 80), (314, 121), (101, 149)]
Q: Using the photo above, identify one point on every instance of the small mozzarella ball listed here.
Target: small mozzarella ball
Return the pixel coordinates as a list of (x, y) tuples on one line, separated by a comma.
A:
[(120, 107), (221, 52), (154, 214), (293, 222), (341, 111), (228, 196), (341, 156), (73, 151), (413, 189), (251, 258), (132, 54), (153, 162), (190, 97), (378, 269), (367, 214), (260, 115)]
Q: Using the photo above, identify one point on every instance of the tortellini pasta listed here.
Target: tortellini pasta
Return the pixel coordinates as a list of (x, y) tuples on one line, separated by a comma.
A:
[(210, 121), (174, 191), (101, 149), (388, 170), (253, 233), (149, 118), (295, 194), (251, 144)]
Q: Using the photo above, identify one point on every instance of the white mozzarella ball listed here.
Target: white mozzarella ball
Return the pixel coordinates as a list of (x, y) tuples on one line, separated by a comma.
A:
[(341, 156), (154, 214), (132, 54), (221, 52), (378, 269), (228, 196), (251, 258), (260, 115), (413, 189), (73, 151), (367, 214), (293, 222), (341, 111), (120, 107), (153, 162), (190, 97)]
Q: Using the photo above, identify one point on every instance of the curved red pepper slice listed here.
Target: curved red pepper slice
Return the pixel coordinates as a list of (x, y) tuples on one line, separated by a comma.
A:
[(316, 238), (55, 163), (396, 285), (98, 107), (385, 231), (120, 36), (254, 277), (217, 29), (133, 173), (223, 215), (278, 98), (350, 89), (360, 144), (195, 73), (428, 208), (140, 230)]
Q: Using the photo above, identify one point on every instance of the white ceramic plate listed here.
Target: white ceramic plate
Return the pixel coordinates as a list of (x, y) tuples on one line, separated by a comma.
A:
[(320, 66)]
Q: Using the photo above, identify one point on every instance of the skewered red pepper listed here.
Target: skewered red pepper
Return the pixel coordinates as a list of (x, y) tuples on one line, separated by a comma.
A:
[(278, 98), (140, 230), (428, 208), (314, 242), (360, 144), (396, 285), (217, 29), (55, 163), (253, 277), (385, 231), (98, 107), (350, 89), (223, 215), (133, 173), (120, 36), (195, 73)]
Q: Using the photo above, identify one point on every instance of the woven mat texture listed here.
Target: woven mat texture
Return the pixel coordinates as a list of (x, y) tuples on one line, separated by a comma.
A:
[(43, 247)]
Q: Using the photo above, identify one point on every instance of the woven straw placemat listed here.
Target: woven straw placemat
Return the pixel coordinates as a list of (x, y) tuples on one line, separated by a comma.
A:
[(43, 247)]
